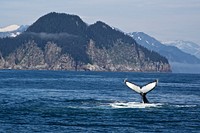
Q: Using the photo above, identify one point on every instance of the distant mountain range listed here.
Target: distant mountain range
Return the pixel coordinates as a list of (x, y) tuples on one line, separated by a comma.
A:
[(12, 30), (186, 46), (59, 41), (179, 60)]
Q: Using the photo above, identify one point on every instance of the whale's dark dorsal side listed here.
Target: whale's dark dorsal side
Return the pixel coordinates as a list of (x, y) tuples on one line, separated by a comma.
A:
[(142, 90)]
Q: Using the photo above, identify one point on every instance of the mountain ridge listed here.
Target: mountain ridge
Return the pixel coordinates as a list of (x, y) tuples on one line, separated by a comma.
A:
[(179, 60), (171, 52), (64, 42)]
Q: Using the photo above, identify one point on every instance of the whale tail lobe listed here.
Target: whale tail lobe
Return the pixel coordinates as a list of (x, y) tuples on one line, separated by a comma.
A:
[(142, 90)]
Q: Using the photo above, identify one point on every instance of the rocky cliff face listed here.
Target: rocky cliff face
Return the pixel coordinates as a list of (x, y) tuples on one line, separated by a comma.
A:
[(30, 56), (121, 57)]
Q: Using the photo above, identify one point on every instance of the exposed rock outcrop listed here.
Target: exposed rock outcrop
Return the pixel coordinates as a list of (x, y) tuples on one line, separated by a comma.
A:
[(30, 56), (121, 57)]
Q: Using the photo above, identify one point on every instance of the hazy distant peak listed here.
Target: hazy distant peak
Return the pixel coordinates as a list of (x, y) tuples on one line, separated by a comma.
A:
[(186, 46), (180, 43), (9, 28), (12, 30)]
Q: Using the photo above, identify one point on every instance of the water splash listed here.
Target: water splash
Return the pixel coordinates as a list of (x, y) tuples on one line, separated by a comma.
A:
[(134, 105)]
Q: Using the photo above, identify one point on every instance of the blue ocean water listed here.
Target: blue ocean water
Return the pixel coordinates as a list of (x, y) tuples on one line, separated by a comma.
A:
[(63, 101)]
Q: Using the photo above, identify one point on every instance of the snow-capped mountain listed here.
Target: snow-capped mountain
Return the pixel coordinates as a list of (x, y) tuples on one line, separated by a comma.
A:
[(9, 28), (178, 59), (186, 46), (12, 30)]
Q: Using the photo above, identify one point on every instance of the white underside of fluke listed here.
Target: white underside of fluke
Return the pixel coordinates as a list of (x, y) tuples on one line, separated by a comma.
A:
[(145, 89)]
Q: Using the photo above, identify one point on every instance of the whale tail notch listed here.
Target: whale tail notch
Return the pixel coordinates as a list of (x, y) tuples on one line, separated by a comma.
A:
[(142, 90)]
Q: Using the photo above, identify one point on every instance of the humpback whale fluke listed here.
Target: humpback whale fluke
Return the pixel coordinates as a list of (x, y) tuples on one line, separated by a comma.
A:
[(142, 90)]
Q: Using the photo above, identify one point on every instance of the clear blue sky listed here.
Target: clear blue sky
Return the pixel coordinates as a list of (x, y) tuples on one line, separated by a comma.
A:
[(163, 19)]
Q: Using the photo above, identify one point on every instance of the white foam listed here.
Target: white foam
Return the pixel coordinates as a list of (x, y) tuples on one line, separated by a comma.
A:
[(185, 106), (134, 105)]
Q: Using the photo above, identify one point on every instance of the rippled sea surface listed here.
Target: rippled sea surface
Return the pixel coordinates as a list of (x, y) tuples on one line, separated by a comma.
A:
[(63, 101)]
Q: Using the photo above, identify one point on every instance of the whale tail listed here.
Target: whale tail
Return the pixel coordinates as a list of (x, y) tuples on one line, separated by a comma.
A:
[(142, 90)]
